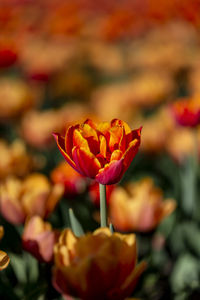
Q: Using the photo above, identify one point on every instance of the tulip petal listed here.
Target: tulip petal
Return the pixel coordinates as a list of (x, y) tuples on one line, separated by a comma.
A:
[(103, 146), (61, 145), (79, 140), (103, 127), (12, 211), (134, 134), (130, 153), (69, 139), (111, 173), (92, 138), (76, 160), (87, 162), (91, 123), (126, 289), (116, 155), (4, 260), (115, 137), (117, 122), (1, 232)]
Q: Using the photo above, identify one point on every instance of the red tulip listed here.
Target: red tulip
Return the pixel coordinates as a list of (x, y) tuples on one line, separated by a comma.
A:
[(187, 112), (101, 151)]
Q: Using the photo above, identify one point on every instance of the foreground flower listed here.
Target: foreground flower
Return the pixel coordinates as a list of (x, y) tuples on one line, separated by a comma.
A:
[(4, 259), (101, 151), (39, 239), (187, 111), (32, 196), (96, 266), (74, 183), (139, 206)]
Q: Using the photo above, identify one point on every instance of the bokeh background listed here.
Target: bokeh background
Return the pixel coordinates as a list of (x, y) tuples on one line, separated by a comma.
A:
[(62, 62)]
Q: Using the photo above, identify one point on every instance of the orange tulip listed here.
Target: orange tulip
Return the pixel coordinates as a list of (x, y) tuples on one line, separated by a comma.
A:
[(4, 259), (98, 266), (139, 206), (32, 196), (15, 159), (101, 151), (39, 239), (74, 183), (187, 111)]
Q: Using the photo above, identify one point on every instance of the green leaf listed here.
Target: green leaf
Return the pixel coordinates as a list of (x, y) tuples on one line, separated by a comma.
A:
[(75, 225), (185, 273)]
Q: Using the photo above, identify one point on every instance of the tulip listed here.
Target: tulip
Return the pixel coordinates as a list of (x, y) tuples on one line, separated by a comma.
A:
[(39, 239), (139, 206), (32, 196), (101, 151), (99, 265), (73, 182), (187, 111), (14, 159), (4, 258)]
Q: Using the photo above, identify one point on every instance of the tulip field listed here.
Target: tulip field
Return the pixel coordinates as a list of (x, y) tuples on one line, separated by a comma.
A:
[(99, 150)]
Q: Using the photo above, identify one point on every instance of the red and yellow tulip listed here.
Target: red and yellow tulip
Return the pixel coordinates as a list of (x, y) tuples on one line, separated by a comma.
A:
[(187, 111), (101, 151), (98, 266), (39, 239)]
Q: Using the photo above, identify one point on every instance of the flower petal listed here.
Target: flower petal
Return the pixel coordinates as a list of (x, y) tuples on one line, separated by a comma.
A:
[(103, 146), (61, 145), (69, 139), (117, 122), (126, 289), (130, 153), (111, 173), (79, 140), (116, 155), (87, 162), (115, 137), (4, 260)]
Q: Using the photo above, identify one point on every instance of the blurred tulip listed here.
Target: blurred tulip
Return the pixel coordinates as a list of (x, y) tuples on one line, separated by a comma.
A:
[(7, 57), (181, 144), (32, 196), (114, 101), (4, 259), (14, 159), (40, 58), (102, 151), (73, 182), (39, 239), (139, 206), (37, 126), (95, 195), (187, 111), (97, 266), (16, 97)]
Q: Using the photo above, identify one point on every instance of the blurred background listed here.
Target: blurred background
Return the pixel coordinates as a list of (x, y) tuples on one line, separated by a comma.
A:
[(65, 61)]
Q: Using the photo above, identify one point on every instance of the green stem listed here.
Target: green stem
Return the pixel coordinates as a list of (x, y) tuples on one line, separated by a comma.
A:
[(103, 209)]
